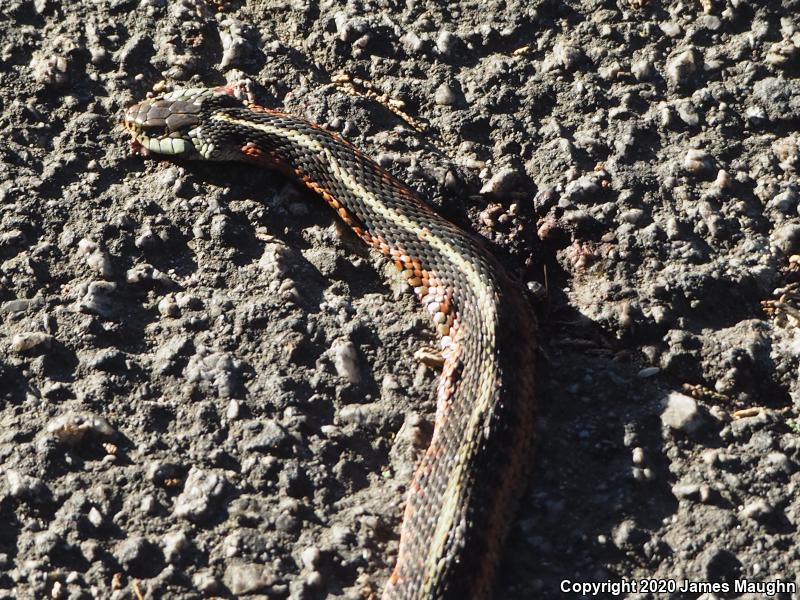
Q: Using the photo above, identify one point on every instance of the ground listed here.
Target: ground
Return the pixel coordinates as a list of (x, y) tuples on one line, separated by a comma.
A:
[(208, 386)]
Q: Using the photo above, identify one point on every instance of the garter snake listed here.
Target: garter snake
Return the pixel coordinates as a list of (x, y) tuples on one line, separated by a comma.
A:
[(462, 495)]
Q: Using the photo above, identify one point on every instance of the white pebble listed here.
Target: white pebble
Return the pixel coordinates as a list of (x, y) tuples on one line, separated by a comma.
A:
[(345, 360)]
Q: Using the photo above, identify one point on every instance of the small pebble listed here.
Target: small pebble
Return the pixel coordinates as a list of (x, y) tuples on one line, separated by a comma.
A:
[(248, 578), (72, 427), (686, 491), (98, 299), (95, 517), (218, 370), (50, 70), (445, 96), (688, 113), (446, 42), (786, 238), (411, 42), (500, 182), (314, 579), (272, 438), (782, 54), (233, 410), (758, 510), (34, 341), (200, 493), (697, 161), (205, 582), (681, 413), (642, 69), (25, 486), (345, 360), (167, 306), (134, 551), (648, 372), (310, 557), (173, 545), (681, 68)]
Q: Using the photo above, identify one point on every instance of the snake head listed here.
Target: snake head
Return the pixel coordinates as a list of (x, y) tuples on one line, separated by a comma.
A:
[(172, 124)]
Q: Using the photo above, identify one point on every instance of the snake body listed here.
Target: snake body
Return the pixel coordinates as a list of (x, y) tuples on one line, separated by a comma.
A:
[(462, 495)]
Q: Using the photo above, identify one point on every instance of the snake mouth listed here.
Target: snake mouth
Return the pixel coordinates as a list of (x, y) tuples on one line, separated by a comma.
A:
[(146, 145), (151, 135)]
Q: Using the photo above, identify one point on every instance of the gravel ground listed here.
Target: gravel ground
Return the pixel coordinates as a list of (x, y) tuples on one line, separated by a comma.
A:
[(208, 387)]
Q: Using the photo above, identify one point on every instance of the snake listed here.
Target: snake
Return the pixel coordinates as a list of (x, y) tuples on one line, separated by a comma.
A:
[(466, 486)]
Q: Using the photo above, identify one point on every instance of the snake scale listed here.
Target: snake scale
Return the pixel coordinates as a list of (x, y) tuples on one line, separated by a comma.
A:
[(464, 490)]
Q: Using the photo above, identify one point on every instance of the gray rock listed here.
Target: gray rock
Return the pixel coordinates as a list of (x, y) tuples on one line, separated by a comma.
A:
[(758, 510), (218, 370), (166, 357), (134, 552), (501, 182), (73, 427), (681, 413), (780, 98), (345, 360), (786, 238), (681, 68), (445, 96), (98, 299), (20, 305), (627, 535), (446, 42), (200, 495), (272, 438), (34, 341), (46, 543), (26, 486), (248, 578), (174, 544)]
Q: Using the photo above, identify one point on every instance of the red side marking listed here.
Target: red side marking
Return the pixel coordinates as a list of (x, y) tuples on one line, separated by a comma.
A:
[(266, 159), (227, 89), (253, 151)]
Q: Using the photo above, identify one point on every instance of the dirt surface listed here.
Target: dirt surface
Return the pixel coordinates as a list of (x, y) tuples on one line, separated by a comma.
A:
[(208, 385)]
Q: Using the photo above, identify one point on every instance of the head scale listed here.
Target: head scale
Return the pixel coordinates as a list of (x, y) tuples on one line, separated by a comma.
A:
[(172, 124)]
